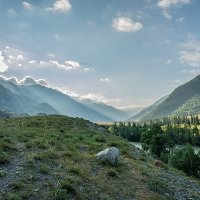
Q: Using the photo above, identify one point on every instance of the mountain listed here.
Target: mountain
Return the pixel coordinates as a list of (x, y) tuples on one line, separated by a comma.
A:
[(145, 112), (5, 114), (132, 111), (113, 113), (34, 98), (182, 101)]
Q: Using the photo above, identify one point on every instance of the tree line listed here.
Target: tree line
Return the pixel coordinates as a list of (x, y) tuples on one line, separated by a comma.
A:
[(170, 140), (177, 134)]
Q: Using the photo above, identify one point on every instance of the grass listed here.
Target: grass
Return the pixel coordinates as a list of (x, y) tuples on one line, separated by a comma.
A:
[(53, 158), (17, 185), (4, 158)]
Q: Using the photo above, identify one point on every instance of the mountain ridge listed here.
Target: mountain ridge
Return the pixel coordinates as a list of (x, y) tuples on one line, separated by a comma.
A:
[(35, 98), (173, 102)]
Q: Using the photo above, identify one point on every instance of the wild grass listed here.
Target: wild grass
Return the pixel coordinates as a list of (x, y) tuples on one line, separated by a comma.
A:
[(53, 158)]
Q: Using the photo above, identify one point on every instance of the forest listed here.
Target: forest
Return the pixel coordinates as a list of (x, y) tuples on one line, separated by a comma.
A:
[(169, 139)]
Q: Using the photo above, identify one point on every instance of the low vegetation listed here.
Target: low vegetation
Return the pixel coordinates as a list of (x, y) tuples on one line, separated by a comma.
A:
[(54, 158)]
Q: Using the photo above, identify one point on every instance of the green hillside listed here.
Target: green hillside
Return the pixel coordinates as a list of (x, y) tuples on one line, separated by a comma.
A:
[(54, 158), (183, 99), (192, 106)]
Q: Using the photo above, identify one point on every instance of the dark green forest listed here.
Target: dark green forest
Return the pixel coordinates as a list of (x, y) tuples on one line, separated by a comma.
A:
[(169, 139)]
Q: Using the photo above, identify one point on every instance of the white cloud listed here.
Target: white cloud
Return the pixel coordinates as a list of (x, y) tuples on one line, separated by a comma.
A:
[(3, 65), (191, 53), (42, 82), (125, 24), (15, 57), (73, 64), (20, 57), (27, 80), (105, 80), (60, 6), (99, 97), (67, 65), (166, 14), (27, 5), (165, 5)]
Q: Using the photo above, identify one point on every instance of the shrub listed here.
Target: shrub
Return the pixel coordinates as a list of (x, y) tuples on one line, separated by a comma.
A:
[(3, 157), (186, 159), (17, 185), (112, 173), (101, 139)]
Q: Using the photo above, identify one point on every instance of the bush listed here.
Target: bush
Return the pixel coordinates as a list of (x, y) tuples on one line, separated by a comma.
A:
[(186, 159), (101, 139), (3, 157)]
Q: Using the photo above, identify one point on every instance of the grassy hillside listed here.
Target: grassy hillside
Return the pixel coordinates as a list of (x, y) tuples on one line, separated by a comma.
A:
[(54, 158)]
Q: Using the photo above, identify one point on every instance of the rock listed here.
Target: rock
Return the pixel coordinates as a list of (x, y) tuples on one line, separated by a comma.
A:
[(110, 155), (159, 163)]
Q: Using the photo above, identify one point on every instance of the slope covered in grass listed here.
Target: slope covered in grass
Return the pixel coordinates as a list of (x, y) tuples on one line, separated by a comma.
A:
[(54, 158)]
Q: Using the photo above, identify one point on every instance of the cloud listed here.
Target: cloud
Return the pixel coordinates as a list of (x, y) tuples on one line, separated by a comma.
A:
[(27, 5), (166, 14), (16, 58), (60, 6), (13, 80), (98, 97), (125, 24), (191, 53), (105, 80), (165, 5), (42, 82), (27, 80), (67, 65), (3, 65)]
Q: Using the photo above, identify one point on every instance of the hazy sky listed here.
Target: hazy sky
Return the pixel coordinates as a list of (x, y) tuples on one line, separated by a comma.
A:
[(123, 52)]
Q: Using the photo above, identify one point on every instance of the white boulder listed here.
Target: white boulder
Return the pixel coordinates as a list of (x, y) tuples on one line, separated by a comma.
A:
[(110, 155)]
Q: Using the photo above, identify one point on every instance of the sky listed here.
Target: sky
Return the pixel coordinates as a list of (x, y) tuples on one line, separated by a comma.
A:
[(126, 53)]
